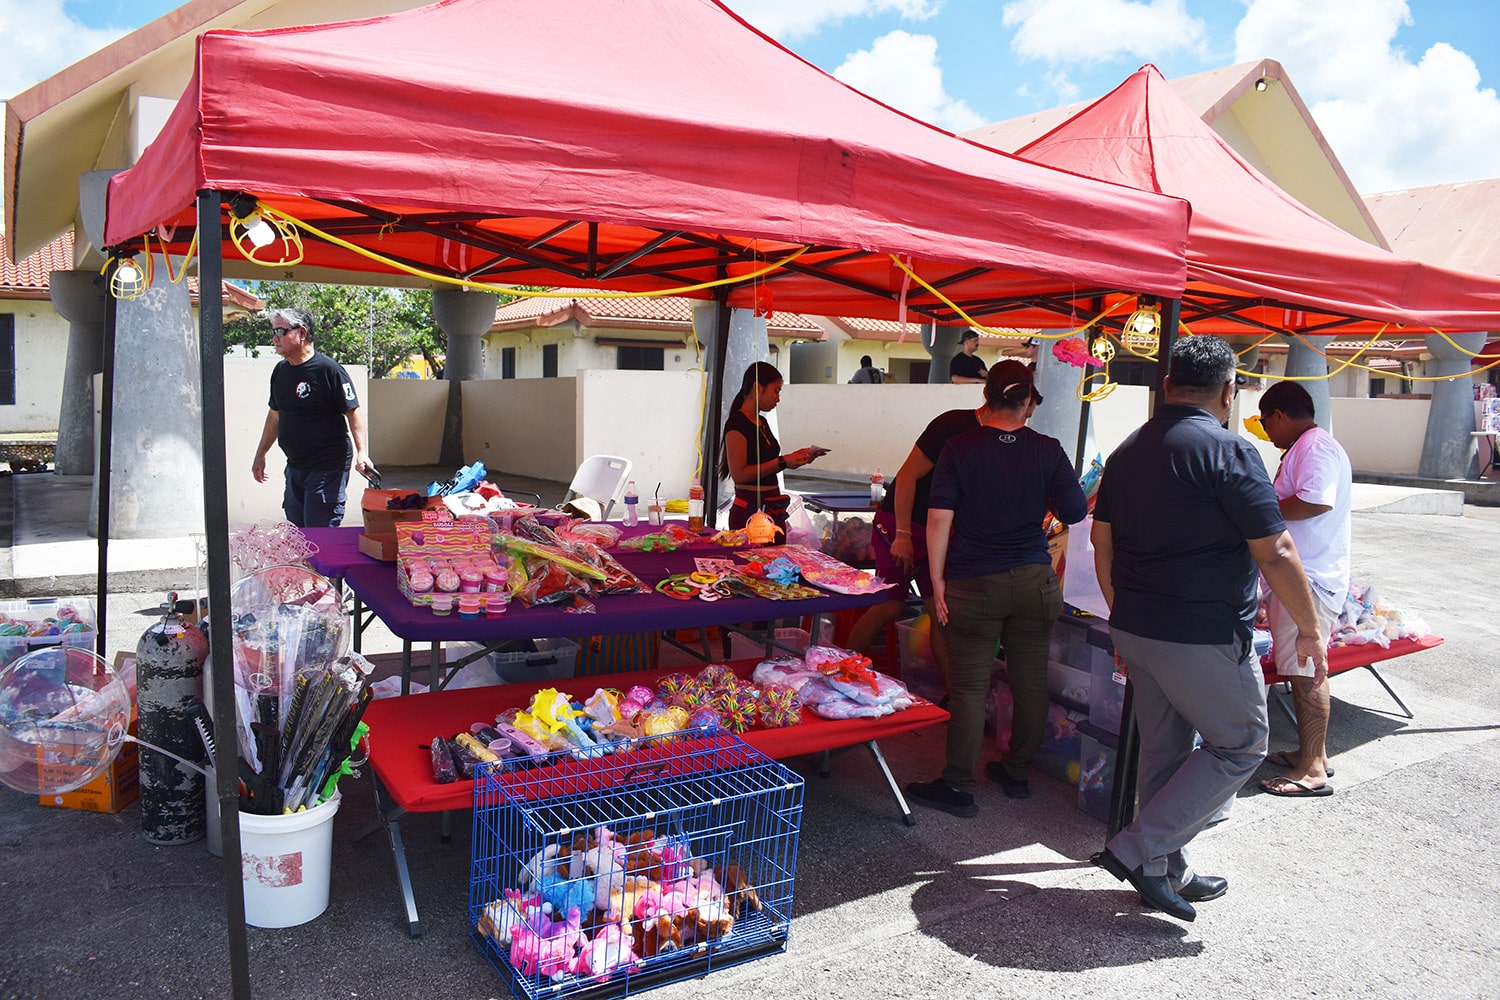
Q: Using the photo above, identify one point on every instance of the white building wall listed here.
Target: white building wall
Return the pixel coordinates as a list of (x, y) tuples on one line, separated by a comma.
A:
[(41, 357)]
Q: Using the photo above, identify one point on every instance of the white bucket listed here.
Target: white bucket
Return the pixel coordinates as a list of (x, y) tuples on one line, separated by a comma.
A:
[(286, 862)]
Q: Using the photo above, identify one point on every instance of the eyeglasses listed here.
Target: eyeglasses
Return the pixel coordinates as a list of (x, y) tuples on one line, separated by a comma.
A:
[(282, 331)]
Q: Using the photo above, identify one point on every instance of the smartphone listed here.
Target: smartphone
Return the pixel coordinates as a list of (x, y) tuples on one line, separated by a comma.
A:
[(817, 450)]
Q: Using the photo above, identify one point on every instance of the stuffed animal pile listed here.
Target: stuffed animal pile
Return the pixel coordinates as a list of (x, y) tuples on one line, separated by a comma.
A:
[(603, 904)]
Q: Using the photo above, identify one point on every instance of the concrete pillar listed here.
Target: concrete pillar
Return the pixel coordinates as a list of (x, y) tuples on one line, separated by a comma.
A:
[(1061, 410), (947, 342), (1302, 360), (80, 298), (1448, 450), (748, 343), (156, 455), (465, 317)]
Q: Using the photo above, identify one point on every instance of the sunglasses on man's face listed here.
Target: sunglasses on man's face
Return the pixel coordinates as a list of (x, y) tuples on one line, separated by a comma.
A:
[(282, 331)]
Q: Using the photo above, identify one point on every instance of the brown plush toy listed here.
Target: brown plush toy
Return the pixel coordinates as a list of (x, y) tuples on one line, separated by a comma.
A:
[(656, 936), (739, 893)]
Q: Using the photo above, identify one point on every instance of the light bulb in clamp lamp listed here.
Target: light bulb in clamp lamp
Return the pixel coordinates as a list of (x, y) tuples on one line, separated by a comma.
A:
[(1140, 331), (250, 223), (126, 279)]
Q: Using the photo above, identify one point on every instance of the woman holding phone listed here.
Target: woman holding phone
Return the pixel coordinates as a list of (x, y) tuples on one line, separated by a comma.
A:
[(752, 455)]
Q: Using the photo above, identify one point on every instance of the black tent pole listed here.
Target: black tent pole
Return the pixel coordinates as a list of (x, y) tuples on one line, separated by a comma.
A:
[(1127, 767), (216, 535), (106, 435), (712, 438)]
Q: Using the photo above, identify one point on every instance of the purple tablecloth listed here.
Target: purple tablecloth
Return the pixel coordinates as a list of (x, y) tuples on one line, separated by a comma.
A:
[(374, 583), (338, 549)]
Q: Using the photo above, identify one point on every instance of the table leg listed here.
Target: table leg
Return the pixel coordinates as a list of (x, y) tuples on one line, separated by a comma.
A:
[(1388, 690), (890, 780), (1127, 768), (390, 818), (359, 622), (406, 666)]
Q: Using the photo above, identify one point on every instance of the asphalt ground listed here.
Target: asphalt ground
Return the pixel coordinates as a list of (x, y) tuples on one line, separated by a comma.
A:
[(1385, 889)]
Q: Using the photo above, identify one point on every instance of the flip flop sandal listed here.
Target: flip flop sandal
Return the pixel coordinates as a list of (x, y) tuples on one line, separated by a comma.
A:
[(1280, 759), (1297, 791)]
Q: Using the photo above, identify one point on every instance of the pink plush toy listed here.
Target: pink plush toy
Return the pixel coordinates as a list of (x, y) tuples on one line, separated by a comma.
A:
[(536, 956), (611, 951)]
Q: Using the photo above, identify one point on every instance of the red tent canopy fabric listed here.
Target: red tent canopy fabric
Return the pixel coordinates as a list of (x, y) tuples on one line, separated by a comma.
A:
[(1255, 254), (638, 144)]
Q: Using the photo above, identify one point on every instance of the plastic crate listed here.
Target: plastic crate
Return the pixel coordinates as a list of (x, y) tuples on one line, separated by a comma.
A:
[(672, 806), (1097, 755), (35, 612), (919, 670)]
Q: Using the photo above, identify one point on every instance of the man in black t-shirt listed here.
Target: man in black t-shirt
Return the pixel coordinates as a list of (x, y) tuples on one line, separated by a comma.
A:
[(966, 366), (313, 413), (1184, 516)]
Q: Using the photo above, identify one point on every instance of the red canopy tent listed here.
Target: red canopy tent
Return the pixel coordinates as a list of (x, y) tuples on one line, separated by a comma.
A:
[(507, 141), (567, 143), (1257, 258)]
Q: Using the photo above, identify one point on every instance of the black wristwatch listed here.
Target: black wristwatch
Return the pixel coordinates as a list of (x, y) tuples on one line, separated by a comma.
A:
[(780, 463)]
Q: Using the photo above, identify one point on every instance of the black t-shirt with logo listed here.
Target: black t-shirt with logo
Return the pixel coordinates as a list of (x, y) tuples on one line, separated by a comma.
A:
[(311, 400)]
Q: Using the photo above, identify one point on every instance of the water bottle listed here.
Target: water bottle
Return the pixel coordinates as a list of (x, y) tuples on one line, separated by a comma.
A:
[(632, 505), (877, 487), (695, 505)]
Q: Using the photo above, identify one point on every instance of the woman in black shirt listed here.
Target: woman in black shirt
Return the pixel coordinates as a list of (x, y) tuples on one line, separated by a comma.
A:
[(752, 455)]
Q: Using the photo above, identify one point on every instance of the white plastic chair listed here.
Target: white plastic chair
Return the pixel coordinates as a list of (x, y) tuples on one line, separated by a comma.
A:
[(601, 478)]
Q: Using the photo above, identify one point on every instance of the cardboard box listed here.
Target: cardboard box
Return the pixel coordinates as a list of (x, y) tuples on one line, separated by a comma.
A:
[(380, 519), (382, 547)]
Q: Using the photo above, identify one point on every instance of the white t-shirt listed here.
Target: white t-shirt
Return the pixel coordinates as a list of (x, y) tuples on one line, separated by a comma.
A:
[(1316, 470)]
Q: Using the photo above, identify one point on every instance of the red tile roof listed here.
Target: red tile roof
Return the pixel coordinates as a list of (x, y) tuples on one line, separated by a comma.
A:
[(636, 312), (31, 274), (30, 279)]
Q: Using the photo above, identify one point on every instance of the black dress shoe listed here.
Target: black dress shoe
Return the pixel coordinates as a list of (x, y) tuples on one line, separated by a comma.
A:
[(1156, 890), (1203, 888), (1015, 788)]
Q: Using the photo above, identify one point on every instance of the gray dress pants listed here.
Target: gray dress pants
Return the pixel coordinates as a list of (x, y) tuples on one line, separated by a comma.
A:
[(1180, 688)]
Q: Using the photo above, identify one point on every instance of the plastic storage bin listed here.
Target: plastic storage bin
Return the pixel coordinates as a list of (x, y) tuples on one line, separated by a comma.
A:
[(919, 670), (523, 661), (77, 614), (668, 860), (1097, 755)]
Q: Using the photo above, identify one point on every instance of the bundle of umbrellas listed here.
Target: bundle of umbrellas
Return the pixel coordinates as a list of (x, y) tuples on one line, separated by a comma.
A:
[(299, 692)]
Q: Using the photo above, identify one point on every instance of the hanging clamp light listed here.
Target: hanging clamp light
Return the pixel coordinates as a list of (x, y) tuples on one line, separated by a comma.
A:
[(126, 279), (252, 223)]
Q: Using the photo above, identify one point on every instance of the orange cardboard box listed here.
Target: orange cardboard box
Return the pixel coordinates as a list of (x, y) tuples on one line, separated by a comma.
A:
[(382, 547), (381, 520), (120, 784)]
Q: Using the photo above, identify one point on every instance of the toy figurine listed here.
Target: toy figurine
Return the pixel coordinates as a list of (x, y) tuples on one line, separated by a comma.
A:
[(761, 530)]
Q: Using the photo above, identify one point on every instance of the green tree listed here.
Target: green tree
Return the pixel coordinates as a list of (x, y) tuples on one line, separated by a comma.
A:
[(378, 327)]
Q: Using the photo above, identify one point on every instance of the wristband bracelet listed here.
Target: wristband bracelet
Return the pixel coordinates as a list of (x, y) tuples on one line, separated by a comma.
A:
[(780, 463), (903, 531)]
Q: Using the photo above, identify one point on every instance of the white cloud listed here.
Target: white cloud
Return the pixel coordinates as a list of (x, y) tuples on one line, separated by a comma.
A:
[(902, 70), (40, 39), (1392, 123), (1079, 31), (787, 19)]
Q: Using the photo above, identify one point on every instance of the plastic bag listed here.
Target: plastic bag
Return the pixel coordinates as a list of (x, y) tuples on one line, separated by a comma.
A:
[(799, 526)]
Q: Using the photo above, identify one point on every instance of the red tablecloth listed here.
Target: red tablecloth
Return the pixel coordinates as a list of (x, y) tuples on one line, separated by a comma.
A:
[(401, 729), (1342, 659)]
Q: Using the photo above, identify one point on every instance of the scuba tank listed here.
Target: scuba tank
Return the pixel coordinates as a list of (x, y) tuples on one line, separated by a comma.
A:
[(169, 675)]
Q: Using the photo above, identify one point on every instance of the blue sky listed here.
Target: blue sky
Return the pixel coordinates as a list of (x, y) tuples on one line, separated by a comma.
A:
[(1404, 90)]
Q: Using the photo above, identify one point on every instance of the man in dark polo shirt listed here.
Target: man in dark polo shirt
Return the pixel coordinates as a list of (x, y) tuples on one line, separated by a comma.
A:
[(1184, 516), (966, 367)]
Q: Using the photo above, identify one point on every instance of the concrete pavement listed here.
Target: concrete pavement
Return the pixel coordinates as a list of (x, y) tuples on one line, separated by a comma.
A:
[(1385, 889)]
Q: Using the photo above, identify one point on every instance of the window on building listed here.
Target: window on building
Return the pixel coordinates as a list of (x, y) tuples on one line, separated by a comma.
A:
[(1377, 386), (549, 361), (507, 362), (633, 357), (7, 359)]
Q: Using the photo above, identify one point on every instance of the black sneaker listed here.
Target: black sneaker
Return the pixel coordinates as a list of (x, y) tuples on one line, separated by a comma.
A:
[(937, 795), (1015, 788)]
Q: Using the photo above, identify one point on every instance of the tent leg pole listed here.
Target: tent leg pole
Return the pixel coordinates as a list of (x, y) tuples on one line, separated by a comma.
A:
[(712, 438), (216, 535), (106, 435)]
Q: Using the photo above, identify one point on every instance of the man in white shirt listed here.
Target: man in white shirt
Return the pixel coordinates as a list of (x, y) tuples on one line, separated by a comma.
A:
[(1313, 486)]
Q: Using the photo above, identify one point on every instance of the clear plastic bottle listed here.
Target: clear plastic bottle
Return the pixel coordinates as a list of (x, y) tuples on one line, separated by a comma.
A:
[(877, 487), (695, 505), (632, 505)]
